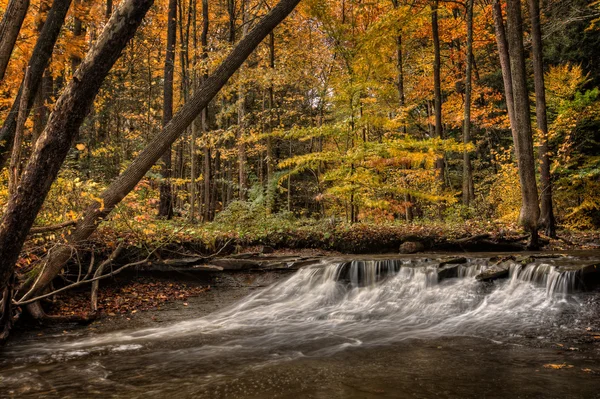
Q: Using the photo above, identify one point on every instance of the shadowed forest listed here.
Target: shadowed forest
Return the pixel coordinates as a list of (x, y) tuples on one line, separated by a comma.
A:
[(142, 130)]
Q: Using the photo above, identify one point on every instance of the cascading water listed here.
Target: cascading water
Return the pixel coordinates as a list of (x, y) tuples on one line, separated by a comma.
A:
[(337, 304), (325, 308)]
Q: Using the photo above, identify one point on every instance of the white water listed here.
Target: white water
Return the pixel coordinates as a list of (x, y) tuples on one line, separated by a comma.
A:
[(334, 305)]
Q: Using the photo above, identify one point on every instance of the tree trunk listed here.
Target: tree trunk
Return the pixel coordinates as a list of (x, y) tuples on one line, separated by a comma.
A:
[(437, 83), (402, 103), (14, 174), (63, 126), (546, 220), (9, 30), (242, 156), (271, 184), (38, 63), (159, 144), (505, 67), (207, 179), (165, 208), (530, 211), (468, 193)]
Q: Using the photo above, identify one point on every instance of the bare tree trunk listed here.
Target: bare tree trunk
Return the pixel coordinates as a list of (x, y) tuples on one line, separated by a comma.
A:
[(530, 210), (11, 23), (242, 157), (505, 66), (44, 91), (157, 146), (15, 160), (437, 83), (271, 189), (63, 126), (165, 208), (402, 102), (207, 179), (468, 193), (546, 220), (38, 63)]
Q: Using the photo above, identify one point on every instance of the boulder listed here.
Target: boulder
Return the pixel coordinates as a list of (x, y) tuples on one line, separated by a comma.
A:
[(448, 272), (411, 247), (493, 273), (267, 249), (454, 261)]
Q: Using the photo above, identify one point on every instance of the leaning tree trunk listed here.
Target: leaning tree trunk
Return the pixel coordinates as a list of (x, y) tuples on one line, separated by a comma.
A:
[(505, 67), (13, 18), (546, 220), (161, 142), (165, 208), (530, 210), (468, 193), (52, 147), (40, 57)]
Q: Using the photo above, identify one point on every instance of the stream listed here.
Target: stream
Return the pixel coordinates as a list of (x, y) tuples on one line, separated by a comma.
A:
[(362, 328)]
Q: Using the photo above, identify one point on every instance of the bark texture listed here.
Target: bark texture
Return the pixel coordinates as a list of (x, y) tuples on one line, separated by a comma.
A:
[(468, 193), (165, 208), (437, 83), (11, 23), (63, 126), (502, 43), (162, 141), (530, 210), (546, 220)]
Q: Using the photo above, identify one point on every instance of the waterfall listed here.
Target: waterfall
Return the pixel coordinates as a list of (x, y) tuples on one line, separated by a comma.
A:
[(334, 304)]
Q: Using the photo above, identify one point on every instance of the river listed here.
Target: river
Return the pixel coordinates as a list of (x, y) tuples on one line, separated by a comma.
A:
[(381, 327)]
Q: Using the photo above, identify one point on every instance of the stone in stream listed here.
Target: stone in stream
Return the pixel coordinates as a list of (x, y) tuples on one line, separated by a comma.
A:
[(493, 273), (411, 247), (265, 249), (448, 272)]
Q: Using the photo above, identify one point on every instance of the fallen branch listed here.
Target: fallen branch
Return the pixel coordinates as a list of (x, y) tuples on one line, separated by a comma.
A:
[(98, 273), (82, 282), (46, 229)]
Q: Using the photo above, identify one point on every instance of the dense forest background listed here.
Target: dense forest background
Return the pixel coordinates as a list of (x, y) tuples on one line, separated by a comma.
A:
[(348, 112), (148, 129)]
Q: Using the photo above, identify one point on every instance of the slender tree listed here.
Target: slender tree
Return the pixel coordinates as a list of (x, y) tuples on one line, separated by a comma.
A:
[(468, 193), (530, 210), (502, 43), (207, 155), (437, 82), (165, 208), (546, 221)]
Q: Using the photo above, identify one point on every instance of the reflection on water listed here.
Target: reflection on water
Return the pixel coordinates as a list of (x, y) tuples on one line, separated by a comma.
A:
[(321, 318)]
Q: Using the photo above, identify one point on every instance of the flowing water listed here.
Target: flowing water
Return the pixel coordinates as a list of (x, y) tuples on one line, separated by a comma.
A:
[(338, 329)]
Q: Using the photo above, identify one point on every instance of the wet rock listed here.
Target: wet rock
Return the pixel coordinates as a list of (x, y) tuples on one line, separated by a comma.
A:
[(267, 250), (236, 264), (454, 261), (588, 276), (448, 272), (245, 255), (208, 268), (525, 260), (411, 247), (493, 273)]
